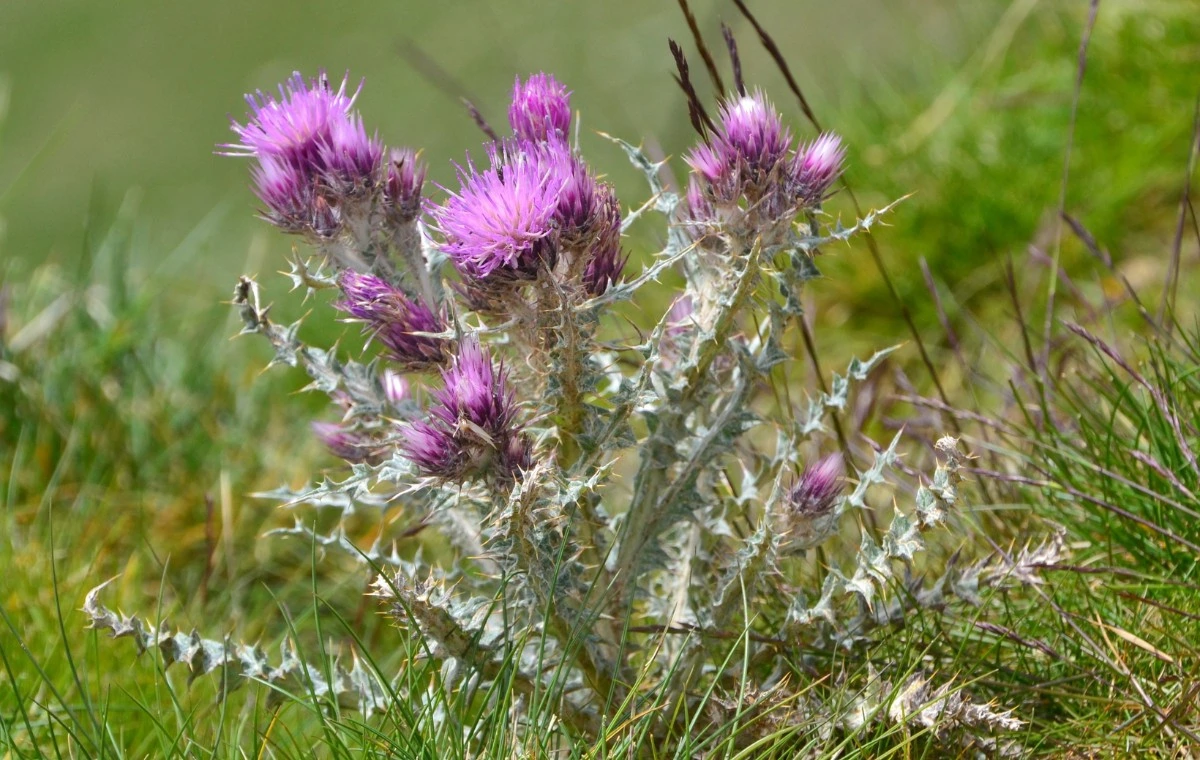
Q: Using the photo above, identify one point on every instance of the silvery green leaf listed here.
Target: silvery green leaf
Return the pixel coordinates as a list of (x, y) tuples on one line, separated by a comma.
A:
[(903, 538), (312, 281), (841, 233), (238, 663), (873, 475), (929, 508), (664, 201), (858, 370)]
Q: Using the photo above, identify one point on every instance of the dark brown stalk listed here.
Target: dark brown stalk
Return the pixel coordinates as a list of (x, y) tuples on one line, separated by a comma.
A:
[(781, 63), (735, 61), (699, 117), (705, 53)]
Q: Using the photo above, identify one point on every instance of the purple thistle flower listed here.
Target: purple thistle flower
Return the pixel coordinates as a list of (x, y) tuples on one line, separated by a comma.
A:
[(393, 318), (603, 270), (501, 222), (395, 387), (343, 443), (745, 153), (310, 145), (541, 108), (350, 161), (816, 166), (288, 193), (588, 214), (472, 428), (817, 489), (606, 264), (808, 515), (698, 210), (296, 126), (581, 200), (405, 179)]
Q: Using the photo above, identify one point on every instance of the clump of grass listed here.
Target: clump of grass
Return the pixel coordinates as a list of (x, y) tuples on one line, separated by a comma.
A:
[(1098, 430)]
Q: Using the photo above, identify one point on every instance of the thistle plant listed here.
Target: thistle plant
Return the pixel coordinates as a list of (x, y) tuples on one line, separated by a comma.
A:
[(621, 505)]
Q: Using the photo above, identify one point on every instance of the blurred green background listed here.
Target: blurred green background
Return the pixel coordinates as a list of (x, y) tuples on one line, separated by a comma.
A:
[(964, 103), (104, 97)]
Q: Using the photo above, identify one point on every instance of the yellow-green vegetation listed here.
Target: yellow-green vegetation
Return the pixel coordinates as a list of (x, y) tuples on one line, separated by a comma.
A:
[(132, 431)]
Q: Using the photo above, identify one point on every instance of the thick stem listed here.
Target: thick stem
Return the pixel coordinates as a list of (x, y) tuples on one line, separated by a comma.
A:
[(562, 342), (644, 519), (547, 568), (406, 239)]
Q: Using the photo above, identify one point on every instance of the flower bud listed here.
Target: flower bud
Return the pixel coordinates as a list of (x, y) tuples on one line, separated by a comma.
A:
[(343, 443), (807, 513), (393, 319), (472, 429), (405, 179), (541, 108), (606, 263), (395, 387), (815, 168)]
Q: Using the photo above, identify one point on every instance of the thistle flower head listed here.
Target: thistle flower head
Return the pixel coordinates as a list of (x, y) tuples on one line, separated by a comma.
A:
[(604, 269), (395, 387), (349, 160), (393, 319), (287, 192), (580, 201), (500, 224), (295, 126), (606, 263), (817, 489), (541, 108), (472, 428), (698, 212), (405, 179), (746, 153), (816, 166), (342, 443), (310, 145), (808, 515)]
